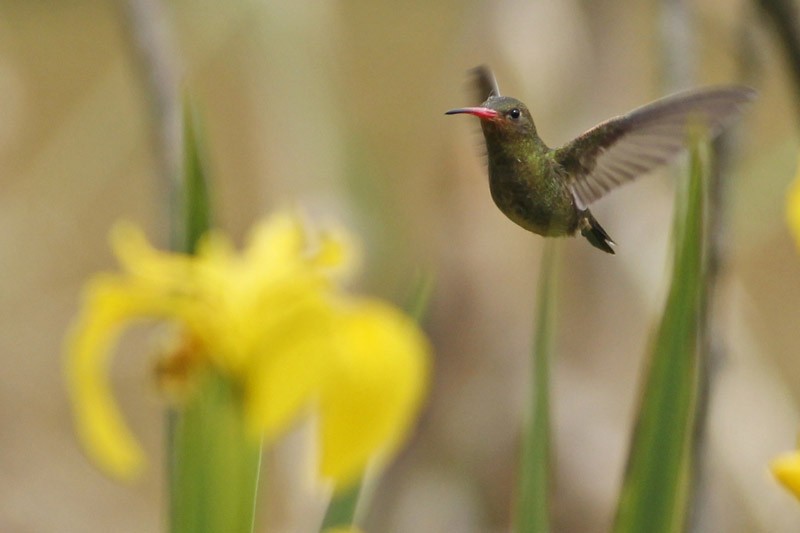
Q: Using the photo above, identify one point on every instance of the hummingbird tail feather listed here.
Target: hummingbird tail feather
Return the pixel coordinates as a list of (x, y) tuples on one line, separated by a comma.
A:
[(595, 234)]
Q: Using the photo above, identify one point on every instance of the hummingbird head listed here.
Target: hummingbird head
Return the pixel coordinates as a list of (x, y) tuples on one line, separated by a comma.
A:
[(501, 115)]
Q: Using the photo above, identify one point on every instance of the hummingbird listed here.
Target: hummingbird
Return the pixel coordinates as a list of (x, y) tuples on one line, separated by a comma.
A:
[(548, 191)]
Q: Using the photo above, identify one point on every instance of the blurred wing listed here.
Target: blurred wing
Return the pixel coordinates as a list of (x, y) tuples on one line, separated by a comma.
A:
[(624, 148), (485, 84)]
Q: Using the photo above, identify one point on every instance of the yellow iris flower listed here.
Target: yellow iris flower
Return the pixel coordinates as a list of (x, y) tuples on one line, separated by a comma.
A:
[(274, 320), (786, 469), (793, 207)]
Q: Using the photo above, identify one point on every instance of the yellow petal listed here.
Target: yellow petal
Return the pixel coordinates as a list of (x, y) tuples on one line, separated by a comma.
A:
[(110, 304), (372, 391), (793, 207), (288, 372), (147, 264), (276, 244), (337, 253), (786, 469), (98, 421)]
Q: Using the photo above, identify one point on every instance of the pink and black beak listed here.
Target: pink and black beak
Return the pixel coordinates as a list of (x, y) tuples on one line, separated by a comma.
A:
[(483, 113)]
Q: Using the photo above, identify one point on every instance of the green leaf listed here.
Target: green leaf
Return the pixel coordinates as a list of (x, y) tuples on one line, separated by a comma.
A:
[(417, 305), (342, 509), (196, 217), (533, 513), (656, 487)]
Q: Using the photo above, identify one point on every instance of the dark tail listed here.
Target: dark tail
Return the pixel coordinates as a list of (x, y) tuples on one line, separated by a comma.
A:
[(595, 233)]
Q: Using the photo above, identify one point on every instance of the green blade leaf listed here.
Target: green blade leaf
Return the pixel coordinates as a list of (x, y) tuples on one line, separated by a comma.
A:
[(196, 218), (533, 513), (656, 487)]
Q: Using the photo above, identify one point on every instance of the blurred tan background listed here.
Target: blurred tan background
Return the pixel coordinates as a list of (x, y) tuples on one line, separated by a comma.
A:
[(338, 106)]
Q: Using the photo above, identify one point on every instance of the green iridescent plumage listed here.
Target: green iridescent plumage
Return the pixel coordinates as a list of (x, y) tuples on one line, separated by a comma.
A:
[(548, 191)]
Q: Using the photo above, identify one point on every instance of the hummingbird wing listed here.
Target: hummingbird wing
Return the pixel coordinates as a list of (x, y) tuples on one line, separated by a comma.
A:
[(623, 148), (484, 83)]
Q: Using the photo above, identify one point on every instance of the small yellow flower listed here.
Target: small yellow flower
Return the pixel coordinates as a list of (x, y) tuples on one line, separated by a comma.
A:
[(786, 469), (275, 321), (793, 207)]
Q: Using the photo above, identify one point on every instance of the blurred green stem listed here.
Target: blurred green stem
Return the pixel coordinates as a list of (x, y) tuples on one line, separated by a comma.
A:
[(533, 513), (146, 26), (417, 305), (342, 509), (711, 342), (215, 464)]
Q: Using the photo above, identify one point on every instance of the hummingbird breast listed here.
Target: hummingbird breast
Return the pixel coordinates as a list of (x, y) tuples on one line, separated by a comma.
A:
[(533, 193)]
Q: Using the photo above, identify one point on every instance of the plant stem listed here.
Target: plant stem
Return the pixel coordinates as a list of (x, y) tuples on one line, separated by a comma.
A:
[(533, 504), (147, 28), (215, 464)]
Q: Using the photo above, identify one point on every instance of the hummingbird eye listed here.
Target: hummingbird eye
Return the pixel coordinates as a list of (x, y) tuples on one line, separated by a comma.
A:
[(514, 113)]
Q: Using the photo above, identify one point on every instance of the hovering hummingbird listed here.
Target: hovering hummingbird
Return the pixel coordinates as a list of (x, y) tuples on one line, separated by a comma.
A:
[(548, 191)]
